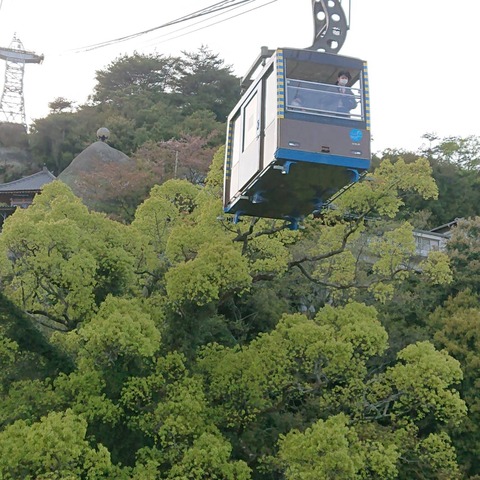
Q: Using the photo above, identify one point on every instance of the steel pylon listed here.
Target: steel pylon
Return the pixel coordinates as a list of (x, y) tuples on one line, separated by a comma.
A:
[(12, 104)]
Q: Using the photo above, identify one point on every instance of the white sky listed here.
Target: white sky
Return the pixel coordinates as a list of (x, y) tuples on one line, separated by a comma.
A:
[(422, 54)]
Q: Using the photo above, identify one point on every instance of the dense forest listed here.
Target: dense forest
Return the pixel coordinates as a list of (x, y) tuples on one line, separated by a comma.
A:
[(156, 339)]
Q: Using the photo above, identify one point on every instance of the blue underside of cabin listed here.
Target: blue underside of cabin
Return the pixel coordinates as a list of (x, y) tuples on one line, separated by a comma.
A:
[(296, 184)]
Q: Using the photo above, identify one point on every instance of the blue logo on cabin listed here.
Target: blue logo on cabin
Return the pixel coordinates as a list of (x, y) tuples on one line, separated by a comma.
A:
[(356, 135)]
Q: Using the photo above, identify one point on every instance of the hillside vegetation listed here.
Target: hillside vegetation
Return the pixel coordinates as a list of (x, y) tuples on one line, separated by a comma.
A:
[(170, 343)]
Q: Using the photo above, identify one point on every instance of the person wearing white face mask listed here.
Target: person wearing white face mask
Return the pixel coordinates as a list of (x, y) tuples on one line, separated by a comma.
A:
[(345, 100)]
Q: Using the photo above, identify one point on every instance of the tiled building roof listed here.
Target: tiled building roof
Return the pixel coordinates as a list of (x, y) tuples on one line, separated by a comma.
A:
[(30, 183)]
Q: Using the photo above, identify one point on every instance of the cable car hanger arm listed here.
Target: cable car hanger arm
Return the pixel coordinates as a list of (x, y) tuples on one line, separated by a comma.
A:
[(330, 24)]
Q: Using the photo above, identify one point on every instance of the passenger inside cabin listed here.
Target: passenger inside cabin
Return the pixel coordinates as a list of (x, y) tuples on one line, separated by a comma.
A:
[(343, 99), (338, 99), (296, 102), (295, 98)]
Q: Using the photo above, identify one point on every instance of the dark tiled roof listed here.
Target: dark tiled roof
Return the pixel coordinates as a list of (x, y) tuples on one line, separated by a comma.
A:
[(432, 233), (446, 227), (33, 182)]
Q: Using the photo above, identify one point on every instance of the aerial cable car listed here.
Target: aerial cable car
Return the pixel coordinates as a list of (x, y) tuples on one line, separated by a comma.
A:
[(300, 133)]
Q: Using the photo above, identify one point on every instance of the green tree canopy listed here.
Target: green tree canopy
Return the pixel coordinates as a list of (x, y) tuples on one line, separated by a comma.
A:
[(179, 371), (60, 261)]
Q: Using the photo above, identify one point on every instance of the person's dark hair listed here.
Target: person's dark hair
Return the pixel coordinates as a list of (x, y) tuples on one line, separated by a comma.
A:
[(347, 74)]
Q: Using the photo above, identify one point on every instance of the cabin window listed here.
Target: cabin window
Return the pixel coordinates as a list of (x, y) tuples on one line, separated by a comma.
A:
[(324, 99), (270, 99), (252, 119), (311, 89), (235, 153)]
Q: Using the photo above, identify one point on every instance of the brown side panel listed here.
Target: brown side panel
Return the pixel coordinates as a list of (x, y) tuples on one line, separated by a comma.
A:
[(322, 138)]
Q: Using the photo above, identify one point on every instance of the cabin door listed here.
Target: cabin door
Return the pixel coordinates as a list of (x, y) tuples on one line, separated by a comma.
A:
[(252, 128)]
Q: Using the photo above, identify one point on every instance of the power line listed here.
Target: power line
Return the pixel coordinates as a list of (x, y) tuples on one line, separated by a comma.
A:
[(154, 42), (225, 4)]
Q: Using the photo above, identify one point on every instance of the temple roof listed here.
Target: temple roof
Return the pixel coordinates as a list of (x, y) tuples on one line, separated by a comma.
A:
[(33, 182)]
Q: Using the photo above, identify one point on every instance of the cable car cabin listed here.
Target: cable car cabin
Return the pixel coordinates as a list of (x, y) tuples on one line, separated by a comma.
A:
[(296, 138)]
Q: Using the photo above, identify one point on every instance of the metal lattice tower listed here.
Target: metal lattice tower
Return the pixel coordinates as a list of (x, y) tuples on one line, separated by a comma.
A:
[(12, 104)]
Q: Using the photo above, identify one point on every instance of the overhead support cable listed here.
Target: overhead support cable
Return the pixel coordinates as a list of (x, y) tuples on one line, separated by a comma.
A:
[(209, 25), (225, 4)]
